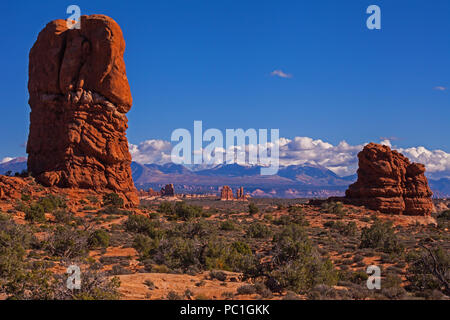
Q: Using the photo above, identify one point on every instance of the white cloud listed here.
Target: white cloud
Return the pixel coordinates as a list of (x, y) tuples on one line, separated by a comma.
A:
[(386, 142), (341, 158), (6, 159), (437, 162), (281, 74), (440, 88), (151, 151)]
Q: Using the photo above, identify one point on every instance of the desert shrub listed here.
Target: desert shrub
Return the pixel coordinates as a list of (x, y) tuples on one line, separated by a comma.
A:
[(172, 295), (14, 240), (142, 224), (192, 229), (236, 257), (150, 284), (52, 202), (380, 236), (178, 253), (144, 245), (295, 210), (20, 279), (246, 289), (443, 219), (96, 285), (35, 213), (252, 208), (217, 274), (336, 208), (430, 269), (112, 211), (296, 219), (62, 216), (112, 199), (20, 206), (241, 247), (166, 208), (258, 230), (359, 277), (186, 212), (227, 225), (297, 265), (262, 290), (348, 229), (67, 242), (392, 288), (99, 239)]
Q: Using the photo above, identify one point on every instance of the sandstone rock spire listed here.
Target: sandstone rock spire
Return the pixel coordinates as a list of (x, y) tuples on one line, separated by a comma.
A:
[(79, 95)]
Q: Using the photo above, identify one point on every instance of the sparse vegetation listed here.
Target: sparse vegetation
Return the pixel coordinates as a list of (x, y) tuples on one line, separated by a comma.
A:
[(380, 236), (252, 208), (112, 200)]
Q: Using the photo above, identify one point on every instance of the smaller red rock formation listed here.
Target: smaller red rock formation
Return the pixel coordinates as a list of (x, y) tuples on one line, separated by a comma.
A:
[(390, 183), (168, 191), (149, 193), (240, 194), (226, 193)]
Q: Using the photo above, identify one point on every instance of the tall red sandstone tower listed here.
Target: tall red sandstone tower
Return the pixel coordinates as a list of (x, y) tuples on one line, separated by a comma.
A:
[(79, 97)]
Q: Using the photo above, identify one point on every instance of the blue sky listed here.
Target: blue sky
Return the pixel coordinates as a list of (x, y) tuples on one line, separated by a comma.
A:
[(212, 61)]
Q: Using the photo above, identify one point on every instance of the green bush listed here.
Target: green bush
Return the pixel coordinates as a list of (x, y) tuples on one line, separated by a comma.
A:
[(295, 210), (178, 253), (217, 274), (336, 208), (258, 230), (236, 257), (430, 269), (252, 208), (166, 208), (113, 200), (296, 219), (14, 241), (297, 265), (349, 229), (67, 242), (52, 202), (186, 212), (35, 213), (62, 216), (144, 245), (99, 239), (142, 224), (380, 236), (191, 229), (227, 225)]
